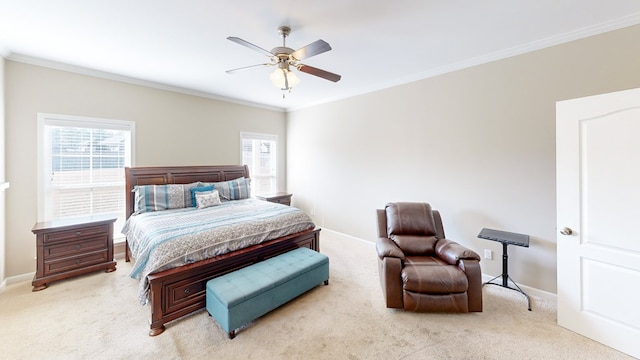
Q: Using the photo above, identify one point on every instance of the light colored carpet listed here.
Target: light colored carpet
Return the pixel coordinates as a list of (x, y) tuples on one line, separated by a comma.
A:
[(97, 316)]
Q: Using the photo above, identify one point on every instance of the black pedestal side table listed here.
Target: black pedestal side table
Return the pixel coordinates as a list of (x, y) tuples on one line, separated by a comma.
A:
[(506, 238)]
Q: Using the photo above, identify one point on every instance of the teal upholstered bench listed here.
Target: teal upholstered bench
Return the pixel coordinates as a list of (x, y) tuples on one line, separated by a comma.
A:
[(237, 298)]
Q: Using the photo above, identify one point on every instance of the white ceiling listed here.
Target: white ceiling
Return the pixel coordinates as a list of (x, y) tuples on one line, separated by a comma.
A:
[(181, 44)]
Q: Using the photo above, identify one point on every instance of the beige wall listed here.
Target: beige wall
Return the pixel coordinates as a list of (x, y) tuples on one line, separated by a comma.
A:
[(478, 144), (171, 129), (2, 177)]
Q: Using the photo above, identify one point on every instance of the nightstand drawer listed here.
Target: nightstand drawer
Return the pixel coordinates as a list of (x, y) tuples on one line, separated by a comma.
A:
[(283, 200), (80, 232), (67, 264), (76, 248)]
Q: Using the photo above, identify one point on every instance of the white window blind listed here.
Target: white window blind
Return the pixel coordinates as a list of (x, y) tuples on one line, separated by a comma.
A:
[(259, 152), (82, 164)]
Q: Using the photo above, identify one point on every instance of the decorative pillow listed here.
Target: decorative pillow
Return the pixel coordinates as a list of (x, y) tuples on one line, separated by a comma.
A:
[(205, 199), (197, 189), (189, 200), (236, 189), (158, 197)]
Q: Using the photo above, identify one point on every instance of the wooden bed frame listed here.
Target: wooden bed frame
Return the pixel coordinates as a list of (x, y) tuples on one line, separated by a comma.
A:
[(180, 291)]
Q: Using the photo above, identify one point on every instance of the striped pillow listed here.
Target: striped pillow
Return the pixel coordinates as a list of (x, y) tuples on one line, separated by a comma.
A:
[(188, 193), (236, 189), (161, 197)]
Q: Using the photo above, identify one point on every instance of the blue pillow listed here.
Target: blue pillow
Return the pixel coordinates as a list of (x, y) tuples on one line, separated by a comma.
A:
[(197, 189)]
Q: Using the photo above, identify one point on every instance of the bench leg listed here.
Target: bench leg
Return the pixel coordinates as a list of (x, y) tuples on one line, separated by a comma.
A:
[(232, 334), (326, 282)]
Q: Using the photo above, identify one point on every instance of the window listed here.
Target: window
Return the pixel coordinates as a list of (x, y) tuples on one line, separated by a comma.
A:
[(259, 152), (81, 167)]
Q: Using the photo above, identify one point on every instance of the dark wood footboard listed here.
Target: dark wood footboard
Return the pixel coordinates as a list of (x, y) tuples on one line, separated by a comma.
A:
[(181, 291)]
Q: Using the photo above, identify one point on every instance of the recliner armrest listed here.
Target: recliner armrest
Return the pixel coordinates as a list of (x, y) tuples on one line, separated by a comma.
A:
[(387, 248), (452, 252), (473, 272)]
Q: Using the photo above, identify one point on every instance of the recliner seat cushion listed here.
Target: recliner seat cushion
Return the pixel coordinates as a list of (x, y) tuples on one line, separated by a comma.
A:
[(424, 260), (434, 279), (451, 303)]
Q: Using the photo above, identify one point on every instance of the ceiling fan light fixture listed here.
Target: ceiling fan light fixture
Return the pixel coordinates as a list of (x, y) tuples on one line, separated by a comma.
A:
[(284, 57), (284, 79)]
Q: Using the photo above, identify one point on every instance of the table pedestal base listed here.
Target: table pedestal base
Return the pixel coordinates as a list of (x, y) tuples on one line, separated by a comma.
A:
[(505, 277)]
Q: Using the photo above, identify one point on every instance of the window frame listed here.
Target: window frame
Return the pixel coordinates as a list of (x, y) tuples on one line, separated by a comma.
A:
[(261, 136), (46, 119)]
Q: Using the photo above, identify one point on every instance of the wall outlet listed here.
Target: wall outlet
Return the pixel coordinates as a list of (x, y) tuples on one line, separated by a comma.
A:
[(488, 254)]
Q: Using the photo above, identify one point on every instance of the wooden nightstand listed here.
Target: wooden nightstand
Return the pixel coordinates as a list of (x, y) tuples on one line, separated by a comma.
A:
[(279, 197), (67, 248)]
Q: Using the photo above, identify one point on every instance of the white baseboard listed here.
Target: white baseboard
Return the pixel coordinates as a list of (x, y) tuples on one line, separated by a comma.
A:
[(118, 250), (118, 254), (15, 279), (531, 291), (527, 289), (345, 236)]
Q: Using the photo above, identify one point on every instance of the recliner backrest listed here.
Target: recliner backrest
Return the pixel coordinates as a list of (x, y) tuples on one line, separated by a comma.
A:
[(412, 227)]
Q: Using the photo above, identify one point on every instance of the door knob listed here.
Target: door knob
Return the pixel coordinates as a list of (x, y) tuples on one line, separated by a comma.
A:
[(566, 231)]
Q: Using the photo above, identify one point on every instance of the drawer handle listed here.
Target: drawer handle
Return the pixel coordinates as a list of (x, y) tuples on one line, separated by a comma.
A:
[(187, 291), (78, 261), (78, 247), (78, 233)]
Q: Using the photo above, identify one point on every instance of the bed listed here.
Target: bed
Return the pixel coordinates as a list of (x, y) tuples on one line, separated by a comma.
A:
[(180, 290)]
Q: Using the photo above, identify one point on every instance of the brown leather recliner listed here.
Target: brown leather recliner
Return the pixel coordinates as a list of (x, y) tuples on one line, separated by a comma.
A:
[(421, 270)]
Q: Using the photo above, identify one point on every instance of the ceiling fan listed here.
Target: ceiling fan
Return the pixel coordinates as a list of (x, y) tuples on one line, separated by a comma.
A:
[(286, 58)]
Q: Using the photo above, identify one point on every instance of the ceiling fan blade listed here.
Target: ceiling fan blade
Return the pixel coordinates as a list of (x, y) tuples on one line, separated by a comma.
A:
[(319, 72), (315, 48), (247, 67), (257, 48)]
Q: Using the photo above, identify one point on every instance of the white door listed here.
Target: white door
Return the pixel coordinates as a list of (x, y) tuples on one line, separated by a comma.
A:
[(598, 201)]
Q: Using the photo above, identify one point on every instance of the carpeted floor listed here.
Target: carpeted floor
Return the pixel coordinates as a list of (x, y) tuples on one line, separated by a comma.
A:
[(97, 316)]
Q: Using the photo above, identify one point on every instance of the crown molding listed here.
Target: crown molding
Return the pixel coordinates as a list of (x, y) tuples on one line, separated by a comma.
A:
[(630, 20), (25, 59), (616, 24), (4, 53)]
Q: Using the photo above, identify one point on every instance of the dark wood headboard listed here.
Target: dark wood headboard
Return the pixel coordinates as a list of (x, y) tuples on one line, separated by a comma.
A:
[(160, 175)]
